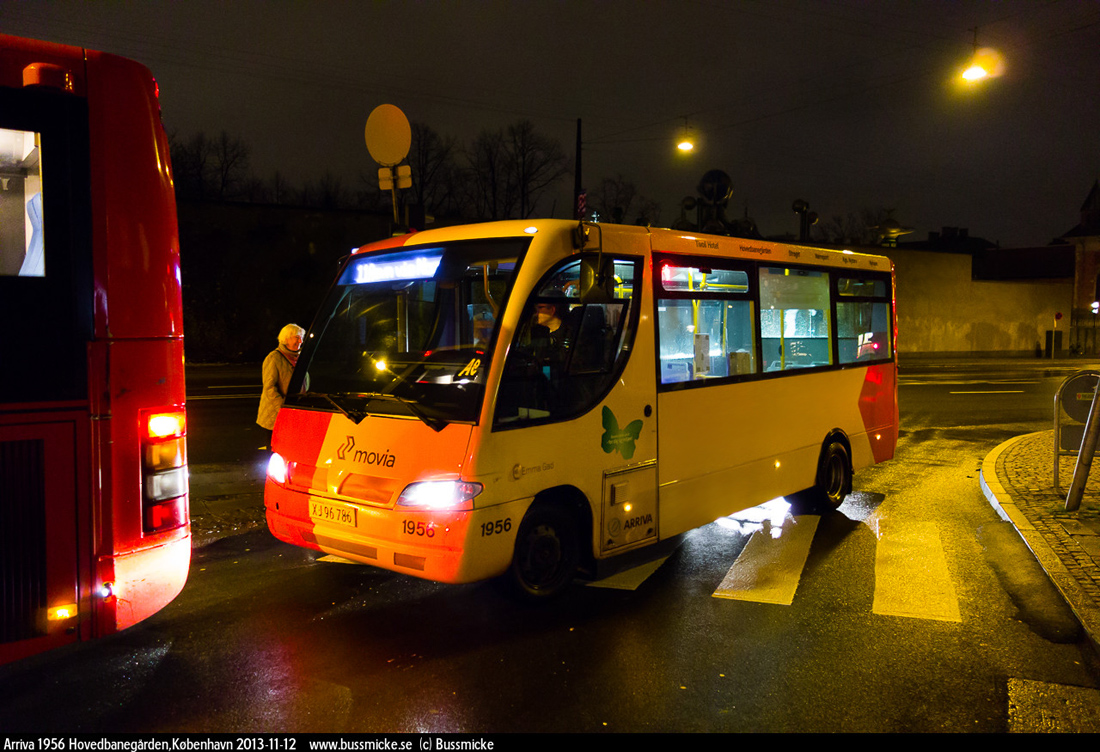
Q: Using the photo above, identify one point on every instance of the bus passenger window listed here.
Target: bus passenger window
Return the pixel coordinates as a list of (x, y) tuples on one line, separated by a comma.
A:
[(862, 320), (21, 246), (566, 351), (706, 330), (794, 318)]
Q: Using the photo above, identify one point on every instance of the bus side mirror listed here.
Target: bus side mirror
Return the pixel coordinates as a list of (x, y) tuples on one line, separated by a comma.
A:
[(597, 284)]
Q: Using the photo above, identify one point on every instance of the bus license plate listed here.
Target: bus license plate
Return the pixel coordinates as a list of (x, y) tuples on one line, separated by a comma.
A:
[(335, 514)]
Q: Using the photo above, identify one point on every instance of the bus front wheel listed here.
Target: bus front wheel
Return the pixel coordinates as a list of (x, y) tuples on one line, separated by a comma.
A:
[(547, 552)]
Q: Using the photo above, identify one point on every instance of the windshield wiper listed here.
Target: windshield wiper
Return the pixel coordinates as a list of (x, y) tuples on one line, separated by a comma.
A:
[(354, 415), (343, 402), (436, 424)]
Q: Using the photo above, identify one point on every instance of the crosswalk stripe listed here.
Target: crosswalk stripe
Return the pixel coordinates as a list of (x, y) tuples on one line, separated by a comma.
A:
[(911, 575), (769, 568), (629, 579)]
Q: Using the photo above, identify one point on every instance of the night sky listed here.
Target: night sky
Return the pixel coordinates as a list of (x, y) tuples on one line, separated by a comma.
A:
[(848, 105)]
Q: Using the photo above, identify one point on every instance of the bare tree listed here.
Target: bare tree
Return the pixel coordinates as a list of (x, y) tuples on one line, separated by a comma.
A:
[(535, 164), (860, 228), (486, 179), (230, 166), (205, 168), (434, 170)]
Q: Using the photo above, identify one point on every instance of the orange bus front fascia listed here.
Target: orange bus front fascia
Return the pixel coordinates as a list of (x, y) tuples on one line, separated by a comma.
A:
[(421, 542)]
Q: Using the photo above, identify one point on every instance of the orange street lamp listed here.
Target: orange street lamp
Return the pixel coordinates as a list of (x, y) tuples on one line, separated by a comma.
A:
[(986, 63)]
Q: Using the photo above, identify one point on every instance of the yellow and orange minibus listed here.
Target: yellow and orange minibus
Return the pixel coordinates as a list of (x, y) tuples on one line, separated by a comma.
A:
[(533, 399)]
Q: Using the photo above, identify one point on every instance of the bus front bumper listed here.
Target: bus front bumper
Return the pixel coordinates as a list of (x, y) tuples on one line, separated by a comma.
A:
[(444, 546)]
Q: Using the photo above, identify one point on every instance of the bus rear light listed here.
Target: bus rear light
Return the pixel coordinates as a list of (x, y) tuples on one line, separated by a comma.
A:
[(62, 612), (166, 425), (164, 469), (440, 494), (166, 515), (166, 454), (166, 485)]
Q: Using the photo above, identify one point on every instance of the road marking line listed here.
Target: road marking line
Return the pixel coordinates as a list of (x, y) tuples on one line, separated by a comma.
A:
[(993, 391), (769, 568), (911, 575), (629, 579)]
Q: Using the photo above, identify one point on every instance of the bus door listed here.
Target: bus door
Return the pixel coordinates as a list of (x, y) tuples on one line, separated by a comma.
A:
[(581, 370)]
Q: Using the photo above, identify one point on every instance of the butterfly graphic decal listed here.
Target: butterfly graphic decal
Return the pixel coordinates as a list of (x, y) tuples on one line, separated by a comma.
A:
[(618, 439)]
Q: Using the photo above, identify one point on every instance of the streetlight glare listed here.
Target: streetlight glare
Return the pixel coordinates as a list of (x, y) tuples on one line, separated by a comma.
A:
[(685, 145), (986, 63), (975, 73)]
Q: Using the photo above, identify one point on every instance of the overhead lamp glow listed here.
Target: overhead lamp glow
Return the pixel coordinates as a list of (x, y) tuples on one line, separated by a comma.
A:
[(986, 63), (685, 138)]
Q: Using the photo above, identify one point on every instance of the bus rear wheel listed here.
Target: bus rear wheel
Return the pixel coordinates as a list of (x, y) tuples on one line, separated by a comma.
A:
[(834, 476), (547, 553), (832, 485)]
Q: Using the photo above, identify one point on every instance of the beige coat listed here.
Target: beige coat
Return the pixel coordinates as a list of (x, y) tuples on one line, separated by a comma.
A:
[(278, 366)]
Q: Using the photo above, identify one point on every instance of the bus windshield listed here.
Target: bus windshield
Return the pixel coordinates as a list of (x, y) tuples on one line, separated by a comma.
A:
[(409, 332)]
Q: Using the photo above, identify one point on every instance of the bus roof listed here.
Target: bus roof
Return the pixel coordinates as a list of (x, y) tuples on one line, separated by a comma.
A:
[(660, 240)]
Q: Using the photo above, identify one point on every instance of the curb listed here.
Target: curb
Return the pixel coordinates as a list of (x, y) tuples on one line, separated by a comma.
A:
[(1083, 607)]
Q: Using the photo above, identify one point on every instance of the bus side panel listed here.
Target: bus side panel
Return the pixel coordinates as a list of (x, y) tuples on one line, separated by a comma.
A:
[(146, 570), (727, 448), (878, 403), (137, 270)]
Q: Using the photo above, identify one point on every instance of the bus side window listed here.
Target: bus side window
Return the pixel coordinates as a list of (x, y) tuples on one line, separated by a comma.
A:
[(566, 351), (705, 322), (863, 319), (794, 318)]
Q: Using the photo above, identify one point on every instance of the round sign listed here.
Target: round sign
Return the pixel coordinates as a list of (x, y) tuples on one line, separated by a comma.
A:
[(1077, 394), (388, 135)]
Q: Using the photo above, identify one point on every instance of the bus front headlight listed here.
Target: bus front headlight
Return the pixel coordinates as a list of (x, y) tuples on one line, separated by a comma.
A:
[(440, 494), (276, 468)]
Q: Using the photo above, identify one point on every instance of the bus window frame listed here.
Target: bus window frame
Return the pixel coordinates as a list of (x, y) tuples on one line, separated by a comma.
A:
[(752, 267), (752, 295), (296, 388), (627, 336), (887, 298)]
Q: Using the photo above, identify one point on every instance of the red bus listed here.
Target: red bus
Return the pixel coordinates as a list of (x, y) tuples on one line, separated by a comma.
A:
[(94, 524)]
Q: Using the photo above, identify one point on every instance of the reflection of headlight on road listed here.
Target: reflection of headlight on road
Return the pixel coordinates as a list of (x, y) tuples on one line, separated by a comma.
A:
[(768, 516)]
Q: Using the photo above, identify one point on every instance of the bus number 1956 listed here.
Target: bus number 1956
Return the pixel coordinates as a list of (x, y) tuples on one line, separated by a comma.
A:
[(496, 527)]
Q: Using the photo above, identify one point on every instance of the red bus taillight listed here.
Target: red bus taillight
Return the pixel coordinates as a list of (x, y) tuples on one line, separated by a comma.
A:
[(164, 470)]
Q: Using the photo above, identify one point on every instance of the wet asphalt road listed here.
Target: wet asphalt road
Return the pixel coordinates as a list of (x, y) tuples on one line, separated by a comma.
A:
[(267, 637)]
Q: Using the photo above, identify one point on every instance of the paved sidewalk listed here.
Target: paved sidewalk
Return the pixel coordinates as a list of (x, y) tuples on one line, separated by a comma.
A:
[(1018, 479)]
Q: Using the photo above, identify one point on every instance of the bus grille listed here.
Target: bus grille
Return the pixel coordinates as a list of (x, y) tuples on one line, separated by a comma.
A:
[(22, 538)]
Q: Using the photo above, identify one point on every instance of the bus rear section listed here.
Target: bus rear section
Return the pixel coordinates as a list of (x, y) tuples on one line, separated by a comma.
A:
[(535, 399), (93, 476)]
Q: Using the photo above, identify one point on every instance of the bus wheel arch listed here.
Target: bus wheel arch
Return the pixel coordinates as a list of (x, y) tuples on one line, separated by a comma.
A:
[(550, 543)]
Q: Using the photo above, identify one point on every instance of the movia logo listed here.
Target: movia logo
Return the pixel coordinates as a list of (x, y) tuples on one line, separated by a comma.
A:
[(347, 451), (621, 440)]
